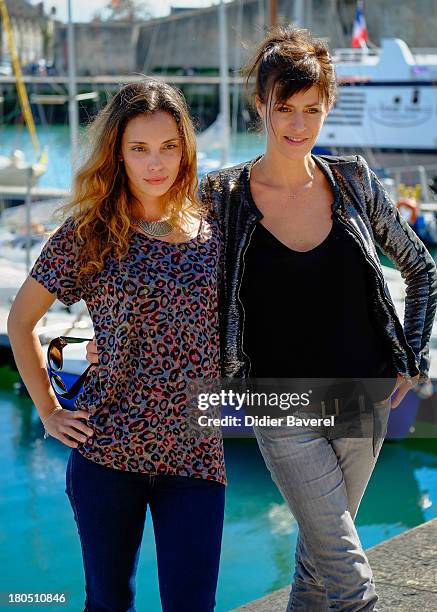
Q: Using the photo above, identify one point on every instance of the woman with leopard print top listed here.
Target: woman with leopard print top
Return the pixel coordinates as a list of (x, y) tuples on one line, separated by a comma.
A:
[(153, 303)]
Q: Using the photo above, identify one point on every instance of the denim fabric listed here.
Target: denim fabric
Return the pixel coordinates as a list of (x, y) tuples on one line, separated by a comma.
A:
[(109, 508), (323, 481)]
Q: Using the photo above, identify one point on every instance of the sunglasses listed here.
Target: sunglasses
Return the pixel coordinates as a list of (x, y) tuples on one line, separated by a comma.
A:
[(55, 362)]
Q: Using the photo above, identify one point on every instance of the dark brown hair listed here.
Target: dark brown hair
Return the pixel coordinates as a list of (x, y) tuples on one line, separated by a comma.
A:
[(291, 60)]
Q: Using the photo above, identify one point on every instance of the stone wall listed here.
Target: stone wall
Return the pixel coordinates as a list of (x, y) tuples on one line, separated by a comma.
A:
[(101, 48), (188, 41)]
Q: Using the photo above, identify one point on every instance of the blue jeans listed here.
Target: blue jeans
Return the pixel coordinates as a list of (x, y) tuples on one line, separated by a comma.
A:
[(109, 508), (323, 481)]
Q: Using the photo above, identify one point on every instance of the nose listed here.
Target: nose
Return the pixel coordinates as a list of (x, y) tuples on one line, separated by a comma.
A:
[(298, 121), (154, 162)]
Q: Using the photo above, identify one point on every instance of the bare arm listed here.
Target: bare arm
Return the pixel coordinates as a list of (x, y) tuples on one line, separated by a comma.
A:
[(30, 305), (92, 354)]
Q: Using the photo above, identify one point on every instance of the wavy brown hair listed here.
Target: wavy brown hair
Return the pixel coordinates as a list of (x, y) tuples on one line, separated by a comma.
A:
[(101, 202), (291, 60)]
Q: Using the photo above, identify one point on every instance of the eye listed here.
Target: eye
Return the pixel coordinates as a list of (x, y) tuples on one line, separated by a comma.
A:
[(171, 146), (313, 110), (282, 109), (138, 148)]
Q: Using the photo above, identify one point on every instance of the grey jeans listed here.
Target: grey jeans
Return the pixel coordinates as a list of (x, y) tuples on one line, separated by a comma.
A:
[(323, 481)]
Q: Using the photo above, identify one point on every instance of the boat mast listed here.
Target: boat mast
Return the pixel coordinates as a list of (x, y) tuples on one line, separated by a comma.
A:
[(299, 13), (224, 84), (21, 88), (273, 13), (72, 89)]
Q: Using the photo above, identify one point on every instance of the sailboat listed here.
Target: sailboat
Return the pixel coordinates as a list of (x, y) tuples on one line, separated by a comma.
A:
[(217, 135), (15, 170)]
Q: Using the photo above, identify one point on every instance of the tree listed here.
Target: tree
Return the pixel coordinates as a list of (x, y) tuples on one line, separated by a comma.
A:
[(124, 10)]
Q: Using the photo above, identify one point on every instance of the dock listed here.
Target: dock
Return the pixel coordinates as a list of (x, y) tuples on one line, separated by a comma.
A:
[(38, 193), (59, 320), (405, 572)]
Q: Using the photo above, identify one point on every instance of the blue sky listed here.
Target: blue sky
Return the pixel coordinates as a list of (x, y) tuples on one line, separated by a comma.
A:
[(83, 10)]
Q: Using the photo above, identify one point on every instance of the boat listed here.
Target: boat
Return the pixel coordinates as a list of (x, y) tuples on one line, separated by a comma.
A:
[(15, 168), (386, 99)]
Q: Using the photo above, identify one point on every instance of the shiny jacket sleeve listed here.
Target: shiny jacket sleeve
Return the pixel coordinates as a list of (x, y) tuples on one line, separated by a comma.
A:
[(403, 247), (206, 196)]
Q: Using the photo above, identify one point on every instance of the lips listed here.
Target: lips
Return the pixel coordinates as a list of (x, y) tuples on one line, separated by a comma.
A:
[(156, 180), (295, 141)]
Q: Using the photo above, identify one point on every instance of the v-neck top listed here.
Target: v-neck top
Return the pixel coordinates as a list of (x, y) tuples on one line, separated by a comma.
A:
[(308, 314)]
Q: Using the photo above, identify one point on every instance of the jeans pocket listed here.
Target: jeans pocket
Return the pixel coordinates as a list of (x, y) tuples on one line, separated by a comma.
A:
[(381, 414)]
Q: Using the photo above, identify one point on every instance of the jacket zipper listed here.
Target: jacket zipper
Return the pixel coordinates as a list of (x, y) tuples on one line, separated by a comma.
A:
[(239, 299), (380, 278)]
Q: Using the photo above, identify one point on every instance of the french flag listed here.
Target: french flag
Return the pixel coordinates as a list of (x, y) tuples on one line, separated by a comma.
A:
[(359, 32)]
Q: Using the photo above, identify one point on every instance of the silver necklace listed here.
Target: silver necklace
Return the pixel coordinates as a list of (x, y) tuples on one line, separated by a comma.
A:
[(155, 228)]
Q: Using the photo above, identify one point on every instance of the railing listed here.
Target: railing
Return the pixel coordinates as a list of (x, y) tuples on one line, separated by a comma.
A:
[(355, 56), (416, 177)]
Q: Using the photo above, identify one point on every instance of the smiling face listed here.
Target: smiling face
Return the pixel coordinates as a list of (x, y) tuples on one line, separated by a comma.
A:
[(293, 126), (151, 150)]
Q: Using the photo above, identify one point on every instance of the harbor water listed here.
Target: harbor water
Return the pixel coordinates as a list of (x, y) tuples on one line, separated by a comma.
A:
[(40, 548), (57, 140)]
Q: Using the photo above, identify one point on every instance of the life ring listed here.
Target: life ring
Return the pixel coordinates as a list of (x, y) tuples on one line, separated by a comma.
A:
[(408, 209)]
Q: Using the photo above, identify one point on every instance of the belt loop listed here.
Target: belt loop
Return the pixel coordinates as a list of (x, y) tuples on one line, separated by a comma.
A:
[(323, 409), (336, 404)]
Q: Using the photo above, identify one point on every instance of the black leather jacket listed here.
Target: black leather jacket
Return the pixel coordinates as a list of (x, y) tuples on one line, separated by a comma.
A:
[(363, 206)]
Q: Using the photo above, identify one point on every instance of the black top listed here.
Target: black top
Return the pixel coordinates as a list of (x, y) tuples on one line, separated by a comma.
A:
[(308, 314)]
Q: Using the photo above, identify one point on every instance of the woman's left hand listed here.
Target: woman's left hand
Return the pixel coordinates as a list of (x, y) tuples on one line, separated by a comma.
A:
[(403, 385)]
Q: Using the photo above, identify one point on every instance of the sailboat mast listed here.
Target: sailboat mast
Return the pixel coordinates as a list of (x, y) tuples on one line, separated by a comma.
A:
[(21, 88), (224, 83), (72, 88), (273, 13), (299, 13)]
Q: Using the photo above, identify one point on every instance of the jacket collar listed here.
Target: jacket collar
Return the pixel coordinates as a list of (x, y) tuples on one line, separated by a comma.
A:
[(327, 171), (248, 199)]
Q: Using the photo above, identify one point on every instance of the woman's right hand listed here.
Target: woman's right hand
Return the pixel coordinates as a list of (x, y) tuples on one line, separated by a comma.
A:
[(91, 353), (68, 426)]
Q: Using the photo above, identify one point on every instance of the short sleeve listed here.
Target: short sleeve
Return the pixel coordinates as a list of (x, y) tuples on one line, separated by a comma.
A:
[(57, 266), (205, 192)]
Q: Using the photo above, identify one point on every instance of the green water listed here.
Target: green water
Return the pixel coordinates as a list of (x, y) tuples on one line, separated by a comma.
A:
[(40, 549)]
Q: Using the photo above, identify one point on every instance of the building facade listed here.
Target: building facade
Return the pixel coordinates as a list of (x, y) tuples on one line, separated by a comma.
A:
[(33, 33)]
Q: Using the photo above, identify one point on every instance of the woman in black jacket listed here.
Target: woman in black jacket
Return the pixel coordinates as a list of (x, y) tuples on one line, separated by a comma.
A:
[(303, 296)]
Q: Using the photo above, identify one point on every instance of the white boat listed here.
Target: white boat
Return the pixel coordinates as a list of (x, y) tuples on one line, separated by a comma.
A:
[(14, 170), (387, 99)]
